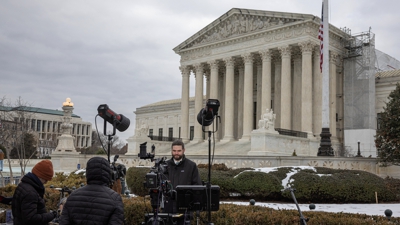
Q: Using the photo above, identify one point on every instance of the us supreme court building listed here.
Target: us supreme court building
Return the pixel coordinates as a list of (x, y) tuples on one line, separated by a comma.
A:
[(259, 63)]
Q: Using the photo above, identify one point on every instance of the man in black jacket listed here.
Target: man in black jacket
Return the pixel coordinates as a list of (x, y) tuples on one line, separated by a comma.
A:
[(181, 171), (96, 203), (28, 206)]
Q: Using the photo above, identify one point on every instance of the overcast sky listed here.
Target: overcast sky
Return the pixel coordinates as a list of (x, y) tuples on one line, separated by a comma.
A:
[(120, 52)]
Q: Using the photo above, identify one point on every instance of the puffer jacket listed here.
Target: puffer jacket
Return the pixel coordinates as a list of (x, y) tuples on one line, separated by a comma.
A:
[(95, 203), (28, 206)]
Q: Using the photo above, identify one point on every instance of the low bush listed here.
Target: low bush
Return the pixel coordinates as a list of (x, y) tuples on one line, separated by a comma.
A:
[(318, 185), (135, 208)]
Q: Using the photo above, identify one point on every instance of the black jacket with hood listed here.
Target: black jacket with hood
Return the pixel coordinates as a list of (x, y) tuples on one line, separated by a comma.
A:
[(28, 205), (95, 203)]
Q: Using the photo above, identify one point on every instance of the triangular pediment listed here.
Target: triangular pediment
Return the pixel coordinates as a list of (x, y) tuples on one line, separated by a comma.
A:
[(239, 22)]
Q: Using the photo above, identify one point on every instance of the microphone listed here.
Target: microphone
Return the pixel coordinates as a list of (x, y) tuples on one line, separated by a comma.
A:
[(207, 114), (122, 123)]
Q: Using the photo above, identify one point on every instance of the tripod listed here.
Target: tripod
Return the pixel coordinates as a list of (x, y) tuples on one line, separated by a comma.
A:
[(208, 183), (303, 221)]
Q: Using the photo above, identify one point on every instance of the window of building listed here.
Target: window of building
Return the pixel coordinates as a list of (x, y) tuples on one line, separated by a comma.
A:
[(170, 133), (73, 128), (48, 126), (44, 125), (378, 121), (160, 132), (33, 124), (191, 133), (150, 132), (54, 126), (38, 123)]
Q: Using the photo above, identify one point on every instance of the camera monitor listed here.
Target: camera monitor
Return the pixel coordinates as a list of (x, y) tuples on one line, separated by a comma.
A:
[(194, 197)]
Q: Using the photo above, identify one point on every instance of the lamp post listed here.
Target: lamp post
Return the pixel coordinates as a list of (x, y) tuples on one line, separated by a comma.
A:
[(358, 153)]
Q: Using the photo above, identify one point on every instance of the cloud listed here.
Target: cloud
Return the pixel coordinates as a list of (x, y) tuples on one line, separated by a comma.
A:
[(120, 53)]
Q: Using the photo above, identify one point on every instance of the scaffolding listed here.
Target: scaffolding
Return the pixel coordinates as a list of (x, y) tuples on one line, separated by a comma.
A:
[(359, 81)]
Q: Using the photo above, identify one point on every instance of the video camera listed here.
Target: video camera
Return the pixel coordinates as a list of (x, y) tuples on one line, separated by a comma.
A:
[(159, 186), (118, 171)]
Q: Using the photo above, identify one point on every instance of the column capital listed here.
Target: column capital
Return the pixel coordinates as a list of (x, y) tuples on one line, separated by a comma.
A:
[(213, 64), (198, 67), (317, 50), (248, 57), (333, 57), (296, 56), (185, 70), (306, 46), (285, 51), (229, 61), (266, 54)]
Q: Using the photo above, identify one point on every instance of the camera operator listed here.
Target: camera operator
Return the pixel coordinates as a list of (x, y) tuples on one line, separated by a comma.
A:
[(94, 203), (181, 171)]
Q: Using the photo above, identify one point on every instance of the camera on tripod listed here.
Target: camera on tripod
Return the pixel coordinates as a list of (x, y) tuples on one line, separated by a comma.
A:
[(117, 171), (159, 187)]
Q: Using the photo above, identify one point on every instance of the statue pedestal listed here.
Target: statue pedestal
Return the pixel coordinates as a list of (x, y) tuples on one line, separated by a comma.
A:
[(66, 162), (65, 145), (134, 144), (269, 144)]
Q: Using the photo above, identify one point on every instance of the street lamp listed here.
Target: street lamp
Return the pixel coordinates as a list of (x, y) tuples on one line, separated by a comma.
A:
[(358, 153)]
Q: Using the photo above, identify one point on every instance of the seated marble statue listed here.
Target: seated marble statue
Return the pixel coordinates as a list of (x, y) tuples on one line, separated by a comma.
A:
[(267, 120)]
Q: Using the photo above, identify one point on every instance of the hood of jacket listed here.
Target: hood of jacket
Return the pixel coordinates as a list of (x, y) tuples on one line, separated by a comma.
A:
[(98, 171)]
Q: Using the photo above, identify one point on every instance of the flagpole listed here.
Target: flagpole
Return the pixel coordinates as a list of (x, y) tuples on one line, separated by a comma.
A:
[(325, 148)]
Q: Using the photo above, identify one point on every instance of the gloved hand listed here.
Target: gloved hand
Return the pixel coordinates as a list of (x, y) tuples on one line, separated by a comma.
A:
[(54, 213), (5, 200)]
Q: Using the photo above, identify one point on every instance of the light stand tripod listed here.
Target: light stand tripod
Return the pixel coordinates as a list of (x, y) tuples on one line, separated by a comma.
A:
[(303, 221), (110, 136), (208, 184)]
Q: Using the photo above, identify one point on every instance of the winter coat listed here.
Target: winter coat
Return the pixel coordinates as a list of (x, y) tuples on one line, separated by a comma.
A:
[(95, 203), (185, 173), (28, 206)]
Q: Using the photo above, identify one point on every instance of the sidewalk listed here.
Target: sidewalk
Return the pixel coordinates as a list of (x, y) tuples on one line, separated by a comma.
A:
[(369, 209)]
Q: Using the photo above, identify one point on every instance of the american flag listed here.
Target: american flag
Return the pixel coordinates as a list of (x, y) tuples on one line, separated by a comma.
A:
[(321, 38)]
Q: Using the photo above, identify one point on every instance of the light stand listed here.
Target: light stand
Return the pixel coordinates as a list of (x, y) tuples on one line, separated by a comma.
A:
[(303, 221), (208, 184), (110, 136)]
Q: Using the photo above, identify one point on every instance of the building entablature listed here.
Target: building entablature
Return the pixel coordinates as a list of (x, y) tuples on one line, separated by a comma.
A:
[(212, 42)]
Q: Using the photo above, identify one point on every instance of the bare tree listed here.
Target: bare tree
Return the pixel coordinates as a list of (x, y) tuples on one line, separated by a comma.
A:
[(99, 140), (16, 119)]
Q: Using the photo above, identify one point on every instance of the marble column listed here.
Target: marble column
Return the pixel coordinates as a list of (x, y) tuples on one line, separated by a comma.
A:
[(214, 79), (247, 97), (340, 103), (332, 93), (229, 99), (185, 70), (208, 86), (258, 88), (317, 94), (198, 102), (266, 80), (306, 87), (277, 92), (286, 84), (240, 102), (296, 92)]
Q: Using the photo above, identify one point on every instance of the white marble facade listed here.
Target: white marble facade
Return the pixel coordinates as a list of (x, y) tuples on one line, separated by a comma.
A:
[(253, 61)]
